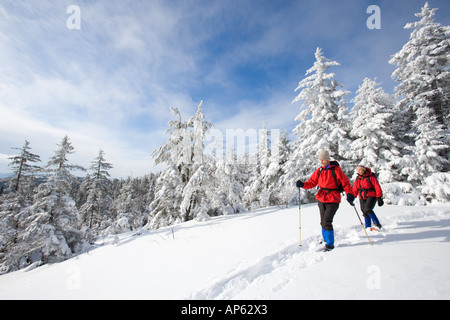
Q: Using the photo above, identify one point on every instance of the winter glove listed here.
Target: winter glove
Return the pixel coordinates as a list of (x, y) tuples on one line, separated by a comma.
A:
[(380, 201), (299, 184), (350, 198)]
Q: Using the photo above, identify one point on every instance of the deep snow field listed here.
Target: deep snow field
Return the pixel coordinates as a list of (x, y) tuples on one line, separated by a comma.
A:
[(256, 255)]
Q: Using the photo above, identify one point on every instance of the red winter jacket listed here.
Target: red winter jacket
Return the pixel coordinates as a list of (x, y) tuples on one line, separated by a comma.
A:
[(327, 184), (367, 186)]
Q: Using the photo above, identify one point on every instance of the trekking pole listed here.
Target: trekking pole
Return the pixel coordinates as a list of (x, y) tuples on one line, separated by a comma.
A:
[(299, 217), (353, 205)]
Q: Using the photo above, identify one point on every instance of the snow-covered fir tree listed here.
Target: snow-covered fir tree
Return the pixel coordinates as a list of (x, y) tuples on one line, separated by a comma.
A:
[(165, 209), (264, 155), (199, 197), (130, 207), (13, 205), (50, 230), (265, 187), (428, 155), (176, 199), (125, 210), (424, 92), (279, 191), (373, 132), (264, 149), (146, 193), (60, 168), (97, 190), (232, 180), (256, 194), (323, 119), (23, 166)]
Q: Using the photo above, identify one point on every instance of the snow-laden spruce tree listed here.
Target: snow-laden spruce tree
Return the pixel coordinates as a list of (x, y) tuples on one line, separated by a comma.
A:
[(165, 208), (177, 199), (256, 194), (424, 91), (230, 188), (21, 189), (279, 192), (200, 199), (50, 232), (373, 132), (129, 208), (23, 166), (266, 187), (429, 153), (13, 205), (96, 189), (323, 119)]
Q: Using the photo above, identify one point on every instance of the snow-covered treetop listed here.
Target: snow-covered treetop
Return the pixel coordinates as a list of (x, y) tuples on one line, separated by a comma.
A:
[(423, 60), (59, 160)]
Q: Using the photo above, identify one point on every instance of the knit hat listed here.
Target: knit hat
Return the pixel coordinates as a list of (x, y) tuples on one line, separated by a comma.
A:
[(362, 166), (324, 155)]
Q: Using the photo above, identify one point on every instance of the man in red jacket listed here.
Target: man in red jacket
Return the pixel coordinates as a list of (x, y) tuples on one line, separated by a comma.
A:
[(367, 187), (332, 181)]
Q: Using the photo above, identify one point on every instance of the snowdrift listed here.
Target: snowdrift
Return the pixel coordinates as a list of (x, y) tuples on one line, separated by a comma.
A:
[(256, 255)]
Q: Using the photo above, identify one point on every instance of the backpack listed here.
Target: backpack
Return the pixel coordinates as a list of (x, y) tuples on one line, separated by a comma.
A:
[(339, 188), (361, 190)]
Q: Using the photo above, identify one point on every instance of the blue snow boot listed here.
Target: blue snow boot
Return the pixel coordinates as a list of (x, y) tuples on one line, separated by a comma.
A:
[(375, 220), (368, 222), (328, 236)]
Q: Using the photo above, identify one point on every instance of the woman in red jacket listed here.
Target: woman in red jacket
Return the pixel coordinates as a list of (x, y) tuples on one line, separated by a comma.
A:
[(332, 181), (368, 189)]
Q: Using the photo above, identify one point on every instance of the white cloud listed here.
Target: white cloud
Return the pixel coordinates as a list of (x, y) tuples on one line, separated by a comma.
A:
[(277, 113), (4, 158), (87, 139), (110, 84), (90, 84)]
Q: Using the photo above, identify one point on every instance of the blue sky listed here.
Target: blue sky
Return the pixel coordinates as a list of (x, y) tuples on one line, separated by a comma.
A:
[(110, 84)]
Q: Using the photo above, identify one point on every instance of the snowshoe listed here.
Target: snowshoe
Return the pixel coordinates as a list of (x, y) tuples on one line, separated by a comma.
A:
[(377, 228)]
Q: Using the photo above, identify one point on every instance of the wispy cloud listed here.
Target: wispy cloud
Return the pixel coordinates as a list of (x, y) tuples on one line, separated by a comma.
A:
[(92, 84), (110, 84)]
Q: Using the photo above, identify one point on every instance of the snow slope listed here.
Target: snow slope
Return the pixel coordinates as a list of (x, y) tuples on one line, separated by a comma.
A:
[(256, 255)]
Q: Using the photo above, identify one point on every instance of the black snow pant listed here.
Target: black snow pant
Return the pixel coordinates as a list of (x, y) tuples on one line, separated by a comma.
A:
[(327, 212), (367, 206)]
